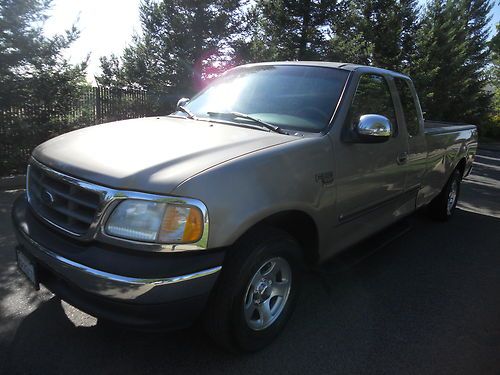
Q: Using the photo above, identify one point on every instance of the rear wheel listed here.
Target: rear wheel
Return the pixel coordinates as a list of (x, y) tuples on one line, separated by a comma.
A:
[(443, 206), (256, 292)]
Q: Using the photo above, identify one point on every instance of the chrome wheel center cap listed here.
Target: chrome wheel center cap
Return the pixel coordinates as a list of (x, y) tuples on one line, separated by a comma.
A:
[(260, 292)]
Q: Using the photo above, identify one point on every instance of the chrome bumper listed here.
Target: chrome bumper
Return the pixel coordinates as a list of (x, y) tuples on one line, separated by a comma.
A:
[(122, 288)]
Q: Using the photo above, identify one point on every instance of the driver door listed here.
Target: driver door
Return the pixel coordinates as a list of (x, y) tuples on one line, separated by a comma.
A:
[(370, 176)]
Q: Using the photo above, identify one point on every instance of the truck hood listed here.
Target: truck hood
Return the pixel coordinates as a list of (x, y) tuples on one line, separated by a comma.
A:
[(150, 154)]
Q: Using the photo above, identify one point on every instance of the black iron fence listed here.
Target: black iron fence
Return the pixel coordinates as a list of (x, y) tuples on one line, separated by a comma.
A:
[(25, 126)]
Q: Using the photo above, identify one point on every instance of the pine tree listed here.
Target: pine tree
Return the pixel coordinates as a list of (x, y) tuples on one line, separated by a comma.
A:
[(433, 47), (31, 65), (376, 32), (473, 97), (347, 42), (410, 24), (287, 30), (495, 72), (34, 76), (495, 44), (450, 66), (179, 39), (491, 127)]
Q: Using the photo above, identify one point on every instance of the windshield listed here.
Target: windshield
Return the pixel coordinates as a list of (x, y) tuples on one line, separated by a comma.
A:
[(300, 98)]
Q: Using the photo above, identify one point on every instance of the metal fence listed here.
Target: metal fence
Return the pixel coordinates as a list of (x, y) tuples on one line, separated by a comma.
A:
[(25, 126)]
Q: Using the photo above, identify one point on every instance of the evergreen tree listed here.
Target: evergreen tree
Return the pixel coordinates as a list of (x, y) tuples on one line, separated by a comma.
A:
[(473, 96), (450, 67), (32, 67), (376, 32), (495, 71), (112, 75), (347, 42), (495, 44), (410, 24), (34, 76), (287, 30), (180, 38), (434, 46), (491, 128)]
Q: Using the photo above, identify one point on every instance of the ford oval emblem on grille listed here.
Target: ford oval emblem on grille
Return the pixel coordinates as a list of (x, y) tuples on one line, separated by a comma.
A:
[(47, 197)]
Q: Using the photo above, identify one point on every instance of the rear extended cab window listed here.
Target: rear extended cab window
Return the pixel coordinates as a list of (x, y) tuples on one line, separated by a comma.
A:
[(409, 105)]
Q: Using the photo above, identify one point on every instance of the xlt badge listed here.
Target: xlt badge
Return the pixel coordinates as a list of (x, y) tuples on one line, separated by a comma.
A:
[(326, 178)]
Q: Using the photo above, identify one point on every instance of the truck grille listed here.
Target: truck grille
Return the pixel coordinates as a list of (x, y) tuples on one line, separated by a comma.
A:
[(60, 202)]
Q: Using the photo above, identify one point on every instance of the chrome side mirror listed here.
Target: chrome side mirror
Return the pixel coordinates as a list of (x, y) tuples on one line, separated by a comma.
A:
[(182, 102), (373, 128)]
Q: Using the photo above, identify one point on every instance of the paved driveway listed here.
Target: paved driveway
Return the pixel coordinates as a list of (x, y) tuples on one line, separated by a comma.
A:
[(428, 302)]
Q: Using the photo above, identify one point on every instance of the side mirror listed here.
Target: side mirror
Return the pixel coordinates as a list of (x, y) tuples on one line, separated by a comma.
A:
[(182, 102), (373, 128)]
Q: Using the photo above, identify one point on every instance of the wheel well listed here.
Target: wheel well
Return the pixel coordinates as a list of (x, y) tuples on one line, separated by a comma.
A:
[(461, 166), (301, 227)]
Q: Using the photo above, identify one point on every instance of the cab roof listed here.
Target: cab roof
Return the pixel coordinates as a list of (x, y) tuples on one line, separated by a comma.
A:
[(336, 65)]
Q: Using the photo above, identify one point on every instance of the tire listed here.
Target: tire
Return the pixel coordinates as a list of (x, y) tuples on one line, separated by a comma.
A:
[(443, 206), (256, 291)]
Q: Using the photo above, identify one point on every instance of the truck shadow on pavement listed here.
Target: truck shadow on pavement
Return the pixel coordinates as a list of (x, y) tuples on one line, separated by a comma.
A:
[(13, 287), (410, 305)]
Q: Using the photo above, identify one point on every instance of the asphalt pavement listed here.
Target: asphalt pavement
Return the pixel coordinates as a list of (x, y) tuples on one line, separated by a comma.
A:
[(425, 302)]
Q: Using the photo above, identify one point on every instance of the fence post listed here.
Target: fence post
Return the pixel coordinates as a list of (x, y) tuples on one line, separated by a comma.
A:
[(98, 108)]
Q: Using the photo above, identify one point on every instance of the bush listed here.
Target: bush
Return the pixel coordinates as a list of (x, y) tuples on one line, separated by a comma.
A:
[(491, 128)]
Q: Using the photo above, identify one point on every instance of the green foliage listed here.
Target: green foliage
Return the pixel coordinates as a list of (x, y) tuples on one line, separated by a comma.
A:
[(112, 75), (37, 85), (31, 63), (184, 43), (451, 60), (491, 128), (495, 70), (179, 40), (443, 46), (287, 30), (375, 32), (495, 44)]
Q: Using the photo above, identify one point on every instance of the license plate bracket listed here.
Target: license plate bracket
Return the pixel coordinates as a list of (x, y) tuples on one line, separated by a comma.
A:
[(28, 267)]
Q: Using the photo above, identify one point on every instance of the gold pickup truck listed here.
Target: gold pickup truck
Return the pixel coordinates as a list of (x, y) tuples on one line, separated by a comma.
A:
[(212, 212)]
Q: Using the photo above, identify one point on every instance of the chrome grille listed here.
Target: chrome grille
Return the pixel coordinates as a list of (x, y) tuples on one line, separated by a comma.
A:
[(63, 204)]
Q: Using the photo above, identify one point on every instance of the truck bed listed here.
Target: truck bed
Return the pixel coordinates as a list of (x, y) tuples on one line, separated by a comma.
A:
[(446, 143)]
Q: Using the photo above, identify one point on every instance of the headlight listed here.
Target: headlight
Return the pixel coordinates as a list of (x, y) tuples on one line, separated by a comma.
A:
[(157, 222)]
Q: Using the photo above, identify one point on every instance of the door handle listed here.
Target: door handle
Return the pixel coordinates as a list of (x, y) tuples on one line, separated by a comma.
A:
[(402, 158)]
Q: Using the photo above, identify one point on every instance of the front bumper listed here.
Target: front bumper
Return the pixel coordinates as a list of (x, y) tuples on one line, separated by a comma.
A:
[(130, 287)]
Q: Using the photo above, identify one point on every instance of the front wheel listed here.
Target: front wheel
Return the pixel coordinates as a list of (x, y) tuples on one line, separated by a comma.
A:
[(443, 206), (256, 292)]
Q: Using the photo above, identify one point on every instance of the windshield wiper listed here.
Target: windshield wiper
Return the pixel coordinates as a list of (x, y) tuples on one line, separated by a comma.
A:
[(233, 114), (189, 114)]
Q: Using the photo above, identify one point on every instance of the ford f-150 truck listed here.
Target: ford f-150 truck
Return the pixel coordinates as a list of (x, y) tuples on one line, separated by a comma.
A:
[(210, 214)]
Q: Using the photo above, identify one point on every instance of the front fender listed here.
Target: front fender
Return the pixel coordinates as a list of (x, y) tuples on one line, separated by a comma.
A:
[(241, 192)]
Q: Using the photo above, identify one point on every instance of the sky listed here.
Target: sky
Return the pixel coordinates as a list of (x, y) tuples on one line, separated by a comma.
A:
[(107, 26)]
